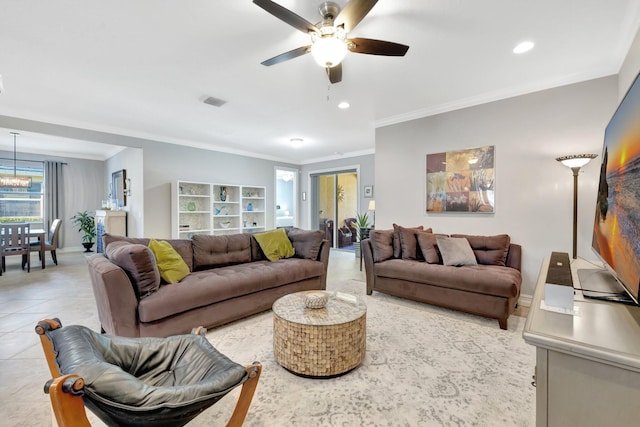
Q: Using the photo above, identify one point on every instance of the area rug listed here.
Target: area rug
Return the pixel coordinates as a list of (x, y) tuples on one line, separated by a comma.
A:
[(424, 366)]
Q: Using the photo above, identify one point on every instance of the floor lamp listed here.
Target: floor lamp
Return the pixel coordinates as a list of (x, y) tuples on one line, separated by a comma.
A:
[(575, 162)]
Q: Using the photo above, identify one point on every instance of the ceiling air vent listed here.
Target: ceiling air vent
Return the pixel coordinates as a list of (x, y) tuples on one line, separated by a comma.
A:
[(214, 101)]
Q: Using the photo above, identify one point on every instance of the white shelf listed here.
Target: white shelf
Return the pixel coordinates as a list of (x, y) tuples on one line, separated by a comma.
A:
[(209, 210)]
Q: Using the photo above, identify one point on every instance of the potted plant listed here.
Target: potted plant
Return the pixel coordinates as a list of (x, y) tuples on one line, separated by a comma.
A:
[(86, 224), (362, 221)]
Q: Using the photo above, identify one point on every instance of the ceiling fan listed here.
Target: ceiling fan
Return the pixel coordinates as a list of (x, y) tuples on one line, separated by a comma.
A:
[(329, 42)]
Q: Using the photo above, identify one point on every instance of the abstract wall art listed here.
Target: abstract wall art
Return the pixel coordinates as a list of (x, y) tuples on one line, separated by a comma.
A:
[(461, 181)]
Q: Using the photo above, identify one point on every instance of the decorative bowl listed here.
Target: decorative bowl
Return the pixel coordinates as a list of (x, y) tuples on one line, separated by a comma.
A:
[(316, 299), (225, 224)]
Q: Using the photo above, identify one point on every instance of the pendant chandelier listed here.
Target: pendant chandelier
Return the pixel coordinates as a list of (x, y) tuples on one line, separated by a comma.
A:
[(15, 181)]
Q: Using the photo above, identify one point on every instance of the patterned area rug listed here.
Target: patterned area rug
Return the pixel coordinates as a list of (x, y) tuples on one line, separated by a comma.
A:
[(425, 366)]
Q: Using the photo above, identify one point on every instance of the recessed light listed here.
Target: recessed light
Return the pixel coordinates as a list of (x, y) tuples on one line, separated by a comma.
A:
[(343, 105), (296, 142), (523, 47)]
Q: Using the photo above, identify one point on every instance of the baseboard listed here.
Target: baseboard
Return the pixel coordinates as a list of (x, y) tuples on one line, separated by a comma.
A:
[(525, 300)]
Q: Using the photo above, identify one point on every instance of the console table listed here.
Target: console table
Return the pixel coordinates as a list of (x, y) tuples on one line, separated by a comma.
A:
[(587, 364)]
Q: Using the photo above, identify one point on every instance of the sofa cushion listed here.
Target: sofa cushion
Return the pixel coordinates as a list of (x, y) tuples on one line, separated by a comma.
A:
[(456, 251), (381, 244), (429, 247), (484, 279), (182, 246), (170, 264), (306, 243), (202, 288), (409, 242), (139, 263), (275, 244), (219, 251), (489, 250), (397, 244)]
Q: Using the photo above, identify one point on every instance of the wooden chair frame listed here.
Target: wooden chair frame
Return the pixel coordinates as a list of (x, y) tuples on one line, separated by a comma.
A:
[(66, 391)]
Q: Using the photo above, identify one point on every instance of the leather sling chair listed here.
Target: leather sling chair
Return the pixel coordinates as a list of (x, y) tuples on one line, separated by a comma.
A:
[(139, 381)]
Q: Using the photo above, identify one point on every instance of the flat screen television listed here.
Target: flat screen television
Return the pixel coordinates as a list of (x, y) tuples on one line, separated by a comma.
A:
[(616, 228)]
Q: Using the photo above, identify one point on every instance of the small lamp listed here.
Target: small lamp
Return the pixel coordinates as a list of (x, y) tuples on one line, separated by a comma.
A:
[(372, 208), (575, 162)]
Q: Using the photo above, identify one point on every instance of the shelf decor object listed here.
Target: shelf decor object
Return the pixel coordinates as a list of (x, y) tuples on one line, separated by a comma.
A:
[(461, 181)]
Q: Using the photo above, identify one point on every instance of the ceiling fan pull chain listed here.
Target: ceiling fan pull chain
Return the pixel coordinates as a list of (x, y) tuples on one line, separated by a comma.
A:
[(329, 84)]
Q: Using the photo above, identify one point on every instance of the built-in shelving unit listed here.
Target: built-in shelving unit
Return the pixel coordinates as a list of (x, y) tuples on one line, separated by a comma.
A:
[(193, 209), (253, 209), (209, 208), (226, 209)]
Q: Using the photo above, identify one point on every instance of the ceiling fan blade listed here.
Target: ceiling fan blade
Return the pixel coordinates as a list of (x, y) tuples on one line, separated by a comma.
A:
[(287, 16), (353, 13), (287, 56), (376, 47), (335, 73)]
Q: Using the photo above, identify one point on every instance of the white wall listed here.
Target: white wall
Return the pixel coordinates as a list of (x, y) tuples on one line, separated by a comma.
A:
[(130, 159), (534, 193), (630, 67)]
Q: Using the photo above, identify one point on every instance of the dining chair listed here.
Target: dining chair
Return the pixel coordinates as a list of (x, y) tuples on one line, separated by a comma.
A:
[(15, 241), (50, 242)]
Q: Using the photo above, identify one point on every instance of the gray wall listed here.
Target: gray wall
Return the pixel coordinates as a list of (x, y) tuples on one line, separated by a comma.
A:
[(534, 192), (161, 165), (83, 185), (366, 166)]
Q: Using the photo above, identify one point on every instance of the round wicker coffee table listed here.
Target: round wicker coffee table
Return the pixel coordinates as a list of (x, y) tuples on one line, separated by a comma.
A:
[(319, 342)]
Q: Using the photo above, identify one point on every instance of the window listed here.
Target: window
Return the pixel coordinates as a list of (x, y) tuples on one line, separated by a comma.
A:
[(22, 204)]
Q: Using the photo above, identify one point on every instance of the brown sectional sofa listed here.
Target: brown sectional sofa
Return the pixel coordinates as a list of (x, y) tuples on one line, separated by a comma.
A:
[(229, 278), (395, 264)]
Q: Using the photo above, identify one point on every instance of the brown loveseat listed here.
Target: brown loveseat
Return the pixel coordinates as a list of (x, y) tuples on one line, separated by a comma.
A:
[(229, 278), (407, 263)]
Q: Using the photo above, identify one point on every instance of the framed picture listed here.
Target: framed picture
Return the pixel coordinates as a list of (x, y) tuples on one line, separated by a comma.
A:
[(368, 191), (461, 181)]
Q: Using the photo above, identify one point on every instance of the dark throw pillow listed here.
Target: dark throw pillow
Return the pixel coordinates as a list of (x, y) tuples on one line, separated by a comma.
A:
[(489, 250), (306, 243), (138, 262), (381, 244)]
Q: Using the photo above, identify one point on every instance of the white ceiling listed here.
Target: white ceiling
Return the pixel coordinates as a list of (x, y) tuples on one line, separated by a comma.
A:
[(142, 68)]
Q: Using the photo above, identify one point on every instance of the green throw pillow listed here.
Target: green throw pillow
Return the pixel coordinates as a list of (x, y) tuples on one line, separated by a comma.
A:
[(170, 264), (275, 244)]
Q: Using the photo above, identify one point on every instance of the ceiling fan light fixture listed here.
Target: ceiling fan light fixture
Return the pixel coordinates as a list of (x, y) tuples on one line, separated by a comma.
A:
[(329, 49)]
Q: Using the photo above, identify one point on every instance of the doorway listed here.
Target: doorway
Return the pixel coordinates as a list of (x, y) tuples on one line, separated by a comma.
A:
[(286, 202), (334, 206)]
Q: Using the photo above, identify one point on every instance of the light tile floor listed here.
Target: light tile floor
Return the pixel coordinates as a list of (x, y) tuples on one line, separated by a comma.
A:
[(63, 291)]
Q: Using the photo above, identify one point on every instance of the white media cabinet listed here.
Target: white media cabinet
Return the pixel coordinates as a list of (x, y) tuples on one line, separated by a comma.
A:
[(587, 364)]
